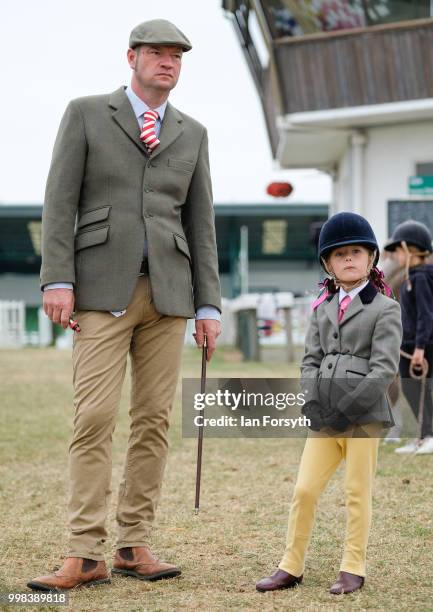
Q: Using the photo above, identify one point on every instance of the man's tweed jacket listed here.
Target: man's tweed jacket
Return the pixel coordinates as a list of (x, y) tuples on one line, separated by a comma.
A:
[(104, 194)]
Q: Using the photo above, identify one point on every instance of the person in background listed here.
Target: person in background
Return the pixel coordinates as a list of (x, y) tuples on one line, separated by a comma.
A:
[(411, 243), (394, 277)]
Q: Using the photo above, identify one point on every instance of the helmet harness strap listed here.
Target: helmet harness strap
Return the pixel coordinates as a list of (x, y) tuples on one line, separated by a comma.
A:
[(347, 286), (409, 254)]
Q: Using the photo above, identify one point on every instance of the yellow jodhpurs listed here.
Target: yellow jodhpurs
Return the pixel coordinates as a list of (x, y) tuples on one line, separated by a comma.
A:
[(320, 459)]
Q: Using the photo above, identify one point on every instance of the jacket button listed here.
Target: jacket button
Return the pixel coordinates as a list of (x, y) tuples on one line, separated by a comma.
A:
[(329, 366), (335, 335)]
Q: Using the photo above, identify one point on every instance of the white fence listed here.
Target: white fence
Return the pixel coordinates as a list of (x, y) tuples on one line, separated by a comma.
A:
[(300, 314), (13, 332), (12, 324)]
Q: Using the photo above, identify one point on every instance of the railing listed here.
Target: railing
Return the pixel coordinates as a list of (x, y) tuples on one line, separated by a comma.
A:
[(370, 66), (392, 62)]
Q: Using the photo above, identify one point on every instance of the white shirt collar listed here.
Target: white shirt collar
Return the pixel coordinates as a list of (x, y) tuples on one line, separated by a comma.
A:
[(353, 293), (139, 107)]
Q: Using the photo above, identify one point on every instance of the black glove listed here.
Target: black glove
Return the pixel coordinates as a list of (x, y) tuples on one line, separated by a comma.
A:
[(338, 421), (312, 411)]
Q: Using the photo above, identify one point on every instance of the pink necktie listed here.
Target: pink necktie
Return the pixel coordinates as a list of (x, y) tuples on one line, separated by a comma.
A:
[(148, 133), (343, 307)]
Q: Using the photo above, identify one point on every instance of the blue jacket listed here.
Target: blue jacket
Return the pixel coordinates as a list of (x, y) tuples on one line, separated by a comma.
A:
[(417, 307)]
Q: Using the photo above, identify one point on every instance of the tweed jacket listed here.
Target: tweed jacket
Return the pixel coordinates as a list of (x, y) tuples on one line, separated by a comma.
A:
[(105, 194), (348, 366)]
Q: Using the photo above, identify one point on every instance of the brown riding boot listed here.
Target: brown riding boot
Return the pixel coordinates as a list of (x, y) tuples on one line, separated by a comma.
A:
[(138, 562), (75, 572)]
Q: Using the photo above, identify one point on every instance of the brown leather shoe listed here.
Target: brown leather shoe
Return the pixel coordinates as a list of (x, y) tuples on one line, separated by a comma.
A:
[(279, 580), (75, 572), (138, 562), (346, 583)]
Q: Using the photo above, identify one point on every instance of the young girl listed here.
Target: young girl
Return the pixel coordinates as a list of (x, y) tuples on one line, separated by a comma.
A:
[(412, 244), (352, 355)]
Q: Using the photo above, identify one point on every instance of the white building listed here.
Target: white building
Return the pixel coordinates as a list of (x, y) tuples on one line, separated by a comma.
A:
[(347, 88)]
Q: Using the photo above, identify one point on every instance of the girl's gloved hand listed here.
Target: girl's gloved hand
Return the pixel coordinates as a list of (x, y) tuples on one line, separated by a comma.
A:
[(312, 411)]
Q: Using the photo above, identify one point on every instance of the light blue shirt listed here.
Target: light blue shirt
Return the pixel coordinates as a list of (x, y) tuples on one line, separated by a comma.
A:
[(139, 107)]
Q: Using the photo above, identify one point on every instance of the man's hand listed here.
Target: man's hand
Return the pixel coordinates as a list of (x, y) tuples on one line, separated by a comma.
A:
[(417, 358), (58, 305), (212, 329)]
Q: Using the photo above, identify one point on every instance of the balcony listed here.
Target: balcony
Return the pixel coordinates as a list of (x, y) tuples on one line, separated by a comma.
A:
[(383, 64), (312, 83)]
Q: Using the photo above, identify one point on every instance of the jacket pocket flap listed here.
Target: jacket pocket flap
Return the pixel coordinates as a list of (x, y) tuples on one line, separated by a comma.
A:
[(354, 378), (91, 238), (93, 216), (180, 164), (354, 373), (182, 245)]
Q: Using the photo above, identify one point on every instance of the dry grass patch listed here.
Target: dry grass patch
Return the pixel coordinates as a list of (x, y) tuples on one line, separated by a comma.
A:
[(239, 535)]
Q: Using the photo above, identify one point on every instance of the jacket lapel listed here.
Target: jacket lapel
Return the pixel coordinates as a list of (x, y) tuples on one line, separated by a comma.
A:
[(366, 296), (171, 129), (354, 307), (331, 309), (124, 116)]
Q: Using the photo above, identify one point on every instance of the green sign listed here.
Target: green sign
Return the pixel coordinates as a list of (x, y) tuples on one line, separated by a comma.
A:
[(421, 184)]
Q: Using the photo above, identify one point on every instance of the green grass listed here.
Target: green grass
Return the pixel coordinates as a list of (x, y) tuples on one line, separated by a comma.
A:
[(238, 536)]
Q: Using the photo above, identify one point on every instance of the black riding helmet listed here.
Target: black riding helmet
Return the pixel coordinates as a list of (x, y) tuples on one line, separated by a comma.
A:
[(413, 233), (343, 229)]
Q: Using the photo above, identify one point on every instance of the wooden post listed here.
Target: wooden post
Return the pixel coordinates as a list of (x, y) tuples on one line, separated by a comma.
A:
[(248, 337)]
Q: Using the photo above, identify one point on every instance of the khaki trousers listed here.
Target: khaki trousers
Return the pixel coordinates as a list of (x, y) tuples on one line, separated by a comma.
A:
[(100, 351), (320, 459)]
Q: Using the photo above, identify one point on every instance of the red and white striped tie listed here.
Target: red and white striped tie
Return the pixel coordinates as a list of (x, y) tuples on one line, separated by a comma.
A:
[(148, 133)]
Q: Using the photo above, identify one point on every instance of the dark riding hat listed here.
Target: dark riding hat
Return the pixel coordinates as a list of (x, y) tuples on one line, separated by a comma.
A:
[(413, 233), (343, 229)]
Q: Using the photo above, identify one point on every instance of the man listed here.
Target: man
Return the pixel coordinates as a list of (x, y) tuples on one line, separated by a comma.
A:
[(129, 241)]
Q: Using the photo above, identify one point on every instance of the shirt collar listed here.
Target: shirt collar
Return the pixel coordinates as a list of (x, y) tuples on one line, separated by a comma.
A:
[(353, 293), (139, 107)]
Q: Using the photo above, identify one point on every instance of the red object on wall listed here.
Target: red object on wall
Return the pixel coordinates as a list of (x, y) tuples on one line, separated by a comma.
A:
[(279, 190)]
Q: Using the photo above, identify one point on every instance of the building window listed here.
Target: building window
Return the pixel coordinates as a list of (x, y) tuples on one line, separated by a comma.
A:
[(274, 236), (35, 232), (424, 169), (303, 17)]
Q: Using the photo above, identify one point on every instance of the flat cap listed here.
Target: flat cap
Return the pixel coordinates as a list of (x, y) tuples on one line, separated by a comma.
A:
[(158, 32)]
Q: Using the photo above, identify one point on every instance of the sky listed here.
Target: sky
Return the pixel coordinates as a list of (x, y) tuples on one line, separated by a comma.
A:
[(52, 51)]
